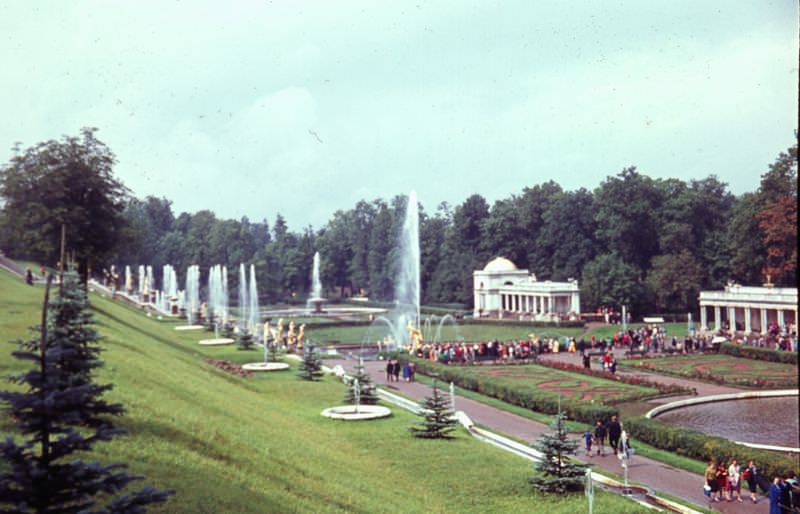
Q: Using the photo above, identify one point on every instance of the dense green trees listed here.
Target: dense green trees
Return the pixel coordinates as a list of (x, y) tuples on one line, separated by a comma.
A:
[(651, 244), (62, 183)]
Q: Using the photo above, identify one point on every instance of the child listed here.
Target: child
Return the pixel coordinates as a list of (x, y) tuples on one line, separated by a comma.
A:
[(587, 437)]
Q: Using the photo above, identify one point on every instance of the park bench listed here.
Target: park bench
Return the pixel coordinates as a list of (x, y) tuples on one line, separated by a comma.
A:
[(639, 352), (596, 353)]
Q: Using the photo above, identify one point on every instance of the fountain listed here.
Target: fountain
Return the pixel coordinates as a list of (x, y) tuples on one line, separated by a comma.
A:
[(169, 289), (243, 318), (192, 298), (406, 287), (254, 317), (217, 304), (457, 333), (356, 412), (316, 299), (266, 365)]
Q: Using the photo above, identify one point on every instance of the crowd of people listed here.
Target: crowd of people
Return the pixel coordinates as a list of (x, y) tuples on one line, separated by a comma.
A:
[(394, 368), (724, 482)]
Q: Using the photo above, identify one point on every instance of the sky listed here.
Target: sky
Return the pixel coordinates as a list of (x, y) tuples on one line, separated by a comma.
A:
[(305, 107)]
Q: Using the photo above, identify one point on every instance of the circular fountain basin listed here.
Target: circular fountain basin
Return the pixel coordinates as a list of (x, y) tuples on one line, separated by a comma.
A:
[(756, 418), (190, 327), (266, 366), (348, 412), (217, 342)]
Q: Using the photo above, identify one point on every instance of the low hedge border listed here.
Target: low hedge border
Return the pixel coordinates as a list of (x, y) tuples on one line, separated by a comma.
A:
[(546, 403), (518, 323), (761, 354), (698, 445)]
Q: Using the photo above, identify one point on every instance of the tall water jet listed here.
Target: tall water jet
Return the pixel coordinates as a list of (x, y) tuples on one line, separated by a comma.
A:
[(224, 299), (406, 287), (243, 315), (316, 284), (141, 283), (128, 280), (192, 292), (218, 294), (254, 316), (151, 283), (169, 287)]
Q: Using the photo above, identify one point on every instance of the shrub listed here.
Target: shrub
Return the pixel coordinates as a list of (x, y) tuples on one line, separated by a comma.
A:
[(700, 446), (761, 354)]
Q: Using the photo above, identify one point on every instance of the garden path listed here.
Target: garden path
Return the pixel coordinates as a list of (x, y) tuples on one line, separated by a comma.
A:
[(657, 476)]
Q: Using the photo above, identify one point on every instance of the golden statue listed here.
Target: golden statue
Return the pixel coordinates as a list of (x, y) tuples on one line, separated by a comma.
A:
[(300, 335), (266, 332), (203, 309), (414, 337), (279, 338), (290, 334)]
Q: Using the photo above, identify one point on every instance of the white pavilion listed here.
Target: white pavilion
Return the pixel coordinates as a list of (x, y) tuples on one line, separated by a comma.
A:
[(501, 289), (752, 309)]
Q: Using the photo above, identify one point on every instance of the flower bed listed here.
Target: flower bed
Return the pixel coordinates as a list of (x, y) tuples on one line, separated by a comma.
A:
[(762, 354), (722, 370)]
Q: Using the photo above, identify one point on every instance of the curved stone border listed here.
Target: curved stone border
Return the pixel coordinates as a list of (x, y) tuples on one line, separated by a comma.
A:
[(216, 342), (348, 412), (189, 327), (661, 409), (266, 366)]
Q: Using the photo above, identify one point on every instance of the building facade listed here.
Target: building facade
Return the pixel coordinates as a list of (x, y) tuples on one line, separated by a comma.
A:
[(749, 309), (500, 289)]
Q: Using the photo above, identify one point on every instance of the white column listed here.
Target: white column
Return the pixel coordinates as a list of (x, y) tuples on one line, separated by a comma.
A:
[(703, 318), (717, 317), (780, 318), (763, 321), (732, 318), (548, 304), (527, 303), (747, 320), (576, 302)]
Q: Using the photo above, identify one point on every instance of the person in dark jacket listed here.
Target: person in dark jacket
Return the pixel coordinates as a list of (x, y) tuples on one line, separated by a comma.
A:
[(614, 430), (600, 437)]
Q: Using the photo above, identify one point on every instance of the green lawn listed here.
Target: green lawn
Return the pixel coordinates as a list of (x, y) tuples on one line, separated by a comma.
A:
[(476, 332), (230, 444), (607, 331)]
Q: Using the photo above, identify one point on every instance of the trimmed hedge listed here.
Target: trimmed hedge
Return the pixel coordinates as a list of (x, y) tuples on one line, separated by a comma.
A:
[(544, 402), (761, 354), (700, 446)]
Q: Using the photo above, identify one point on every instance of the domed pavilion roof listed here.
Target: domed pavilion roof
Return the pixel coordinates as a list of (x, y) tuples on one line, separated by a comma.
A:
[(500, 264)]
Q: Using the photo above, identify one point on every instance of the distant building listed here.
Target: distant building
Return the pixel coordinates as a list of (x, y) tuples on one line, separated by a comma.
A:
[(749, 309), (502, 289)]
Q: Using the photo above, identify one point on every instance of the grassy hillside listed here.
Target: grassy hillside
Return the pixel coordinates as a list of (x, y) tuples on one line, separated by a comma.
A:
[(230, 444)]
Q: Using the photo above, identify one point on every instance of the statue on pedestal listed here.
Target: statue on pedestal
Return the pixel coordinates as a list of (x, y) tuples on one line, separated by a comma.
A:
[(300, 335)]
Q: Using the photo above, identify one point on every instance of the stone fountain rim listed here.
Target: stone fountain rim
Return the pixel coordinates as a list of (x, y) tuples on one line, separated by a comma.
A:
[(265, 366), (216, 342), (366, 412)]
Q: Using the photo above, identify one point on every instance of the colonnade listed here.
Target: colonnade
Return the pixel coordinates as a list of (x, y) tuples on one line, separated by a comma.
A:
[(753, 318)]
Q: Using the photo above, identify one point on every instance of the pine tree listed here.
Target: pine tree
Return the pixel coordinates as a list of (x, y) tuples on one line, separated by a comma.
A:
[(62, 412), (368, 394), (227, 331), (438, 420), (559, 474), (311, 367), (245, 340)]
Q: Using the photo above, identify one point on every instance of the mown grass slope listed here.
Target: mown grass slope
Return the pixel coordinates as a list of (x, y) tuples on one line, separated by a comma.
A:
[(230, 444)]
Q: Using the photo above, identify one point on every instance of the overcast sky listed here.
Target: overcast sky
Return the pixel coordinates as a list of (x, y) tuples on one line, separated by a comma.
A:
[(303, 108)]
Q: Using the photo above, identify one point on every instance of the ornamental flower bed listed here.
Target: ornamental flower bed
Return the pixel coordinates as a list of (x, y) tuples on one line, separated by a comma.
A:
[(664, 389), (723, 370)]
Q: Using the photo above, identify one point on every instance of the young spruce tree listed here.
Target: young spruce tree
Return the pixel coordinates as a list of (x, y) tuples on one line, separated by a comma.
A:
[(558, 474), (245, 340), (438, 420), (311, 367), (368, 394), (61, 412)]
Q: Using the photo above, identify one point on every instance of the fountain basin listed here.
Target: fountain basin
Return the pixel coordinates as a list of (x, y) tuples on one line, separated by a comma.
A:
[(265, 366), (217, 342), (348, 412), (190, 327)]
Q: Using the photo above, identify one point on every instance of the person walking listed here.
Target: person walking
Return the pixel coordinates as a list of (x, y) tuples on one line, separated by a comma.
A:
[(600, 438), (614, 430), (775, 492), (711, 481), (750, 475), (734, 483)]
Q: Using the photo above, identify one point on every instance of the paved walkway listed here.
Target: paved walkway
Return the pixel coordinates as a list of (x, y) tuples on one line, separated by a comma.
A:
[(657, 476)]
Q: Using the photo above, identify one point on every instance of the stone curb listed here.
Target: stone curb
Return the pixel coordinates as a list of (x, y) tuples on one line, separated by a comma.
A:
[(652, 413)]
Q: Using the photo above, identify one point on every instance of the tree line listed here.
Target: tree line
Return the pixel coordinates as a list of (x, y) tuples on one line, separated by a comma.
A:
[(651, 244)]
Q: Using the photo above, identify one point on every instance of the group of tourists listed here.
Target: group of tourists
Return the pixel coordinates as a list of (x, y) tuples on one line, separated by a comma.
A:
[(618, 440), (394, 367), (724, 481)]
